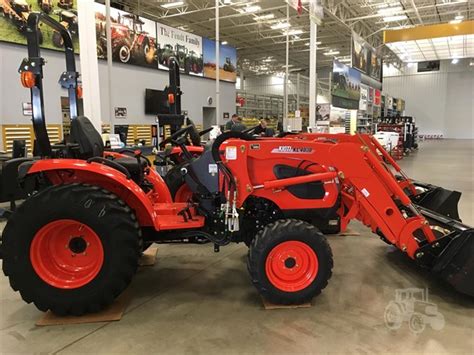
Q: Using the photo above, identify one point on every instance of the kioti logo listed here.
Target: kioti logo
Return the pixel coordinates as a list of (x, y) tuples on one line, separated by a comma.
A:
[(289, 149)]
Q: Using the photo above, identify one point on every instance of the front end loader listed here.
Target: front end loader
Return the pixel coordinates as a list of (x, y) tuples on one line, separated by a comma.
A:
[(98, 209)]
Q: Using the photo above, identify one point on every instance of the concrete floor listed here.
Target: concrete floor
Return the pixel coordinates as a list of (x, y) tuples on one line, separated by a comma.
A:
[(195, 301)]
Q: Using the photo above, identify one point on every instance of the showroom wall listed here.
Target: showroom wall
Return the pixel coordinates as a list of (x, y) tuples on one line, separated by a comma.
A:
[(272, 84), (441, 102), (128, 89)]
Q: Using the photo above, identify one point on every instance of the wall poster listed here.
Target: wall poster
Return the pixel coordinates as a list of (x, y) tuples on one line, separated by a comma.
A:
[(227, 62), (184, 46)]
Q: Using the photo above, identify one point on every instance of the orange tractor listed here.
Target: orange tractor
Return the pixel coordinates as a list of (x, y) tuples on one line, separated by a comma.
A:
[(73, 245)]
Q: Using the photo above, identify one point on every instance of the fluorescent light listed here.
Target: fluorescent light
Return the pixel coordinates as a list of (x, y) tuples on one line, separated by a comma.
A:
[(264, 17), (251, 8), (331, 53), (172, 5), (410, 64), (224, 43), (390, 10), (455, 61), (395, 18), (317, 43), (459, 17), (455, 22), (280, 26), (293, 32)]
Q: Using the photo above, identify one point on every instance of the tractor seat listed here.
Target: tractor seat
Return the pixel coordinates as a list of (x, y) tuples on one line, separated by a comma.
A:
[(91, 145), (131, 164)]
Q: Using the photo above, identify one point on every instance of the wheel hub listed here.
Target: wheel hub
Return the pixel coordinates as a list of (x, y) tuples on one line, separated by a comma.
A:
[(77, 245), (290, 263), (291, 266), (66, 254)]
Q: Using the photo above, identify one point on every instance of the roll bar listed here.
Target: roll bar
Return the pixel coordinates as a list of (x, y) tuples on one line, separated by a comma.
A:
[(31, 70)]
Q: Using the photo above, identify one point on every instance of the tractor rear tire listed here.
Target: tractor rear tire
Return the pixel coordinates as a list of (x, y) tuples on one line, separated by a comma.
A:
[(290, 262), (71, 249)]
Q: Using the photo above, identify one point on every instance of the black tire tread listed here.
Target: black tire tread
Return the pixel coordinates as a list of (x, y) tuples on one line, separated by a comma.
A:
[(122, 224), (258, 251)]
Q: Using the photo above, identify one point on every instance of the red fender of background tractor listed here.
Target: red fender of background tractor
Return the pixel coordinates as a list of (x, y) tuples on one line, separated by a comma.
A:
[(191, 148), (68, 171)]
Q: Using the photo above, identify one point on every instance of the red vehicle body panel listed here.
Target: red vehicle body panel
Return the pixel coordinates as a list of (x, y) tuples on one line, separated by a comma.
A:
[(66, 171)]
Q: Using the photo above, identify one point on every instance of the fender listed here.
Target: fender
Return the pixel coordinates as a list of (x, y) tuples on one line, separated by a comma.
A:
[(190, 148), (67, 171)]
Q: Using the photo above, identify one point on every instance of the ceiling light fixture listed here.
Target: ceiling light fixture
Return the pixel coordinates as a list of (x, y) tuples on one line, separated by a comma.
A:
[(293, 32), (331, 53), (390, 10), (459, 17), (224, 43), (455, 61), (172, 5), (395, 18), (280, 26), (455, 22), (264, 17), (251, 8)]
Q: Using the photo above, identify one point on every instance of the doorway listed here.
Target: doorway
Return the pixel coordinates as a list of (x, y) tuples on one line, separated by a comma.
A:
[(208, 118)]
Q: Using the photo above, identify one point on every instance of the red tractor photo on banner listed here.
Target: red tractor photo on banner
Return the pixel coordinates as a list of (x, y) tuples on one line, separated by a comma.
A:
[(133, 38)]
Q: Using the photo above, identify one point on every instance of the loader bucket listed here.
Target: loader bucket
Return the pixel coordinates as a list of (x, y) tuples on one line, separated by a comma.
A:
[(438, 199), (456, 262)]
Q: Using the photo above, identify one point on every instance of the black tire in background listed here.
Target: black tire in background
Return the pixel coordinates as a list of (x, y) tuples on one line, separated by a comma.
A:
[(174, 179), (110, 219), (275, 234)]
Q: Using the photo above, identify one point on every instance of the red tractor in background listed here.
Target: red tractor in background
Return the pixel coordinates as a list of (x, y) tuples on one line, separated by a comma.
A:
[(80, 250), (129, 41)]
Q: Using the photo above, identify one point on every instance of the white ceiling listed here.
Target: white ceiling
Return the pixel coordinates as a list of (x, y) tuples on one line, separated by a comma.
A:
[(258, 35), (434, 49)]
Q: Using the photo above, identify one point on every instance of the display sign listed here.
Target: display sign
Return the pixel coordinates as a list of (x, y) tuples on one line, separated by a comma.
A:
[(27, 108), (377, 97), (184, 46), (364, 92), (227, 62), (296, 4), (14, 16), (365, 58), (133, 37), (316, 11), (345, 86), (121, 112)]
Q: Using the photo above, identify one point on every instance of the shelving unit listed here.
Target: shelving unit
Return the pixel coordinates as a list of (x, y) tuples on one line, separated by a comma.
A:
[(266, 106)]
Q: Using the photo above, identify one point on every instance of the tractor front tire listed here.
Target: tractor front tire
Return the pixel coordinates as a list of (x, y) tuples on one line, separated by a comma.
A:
[(71, 249), (290, 262)]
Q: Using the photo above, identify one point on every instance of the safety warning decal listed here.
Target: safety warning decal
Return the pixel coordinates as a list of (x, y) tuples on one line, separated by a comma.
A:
[(231, 153)]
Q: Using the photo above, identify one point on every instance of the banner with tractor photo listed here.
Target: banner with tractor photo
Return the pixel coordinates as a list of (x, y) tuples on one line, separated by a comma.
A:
[(133, 37), (14, 15), (345, 86), (184, 46), (365, 58), (227, 62)]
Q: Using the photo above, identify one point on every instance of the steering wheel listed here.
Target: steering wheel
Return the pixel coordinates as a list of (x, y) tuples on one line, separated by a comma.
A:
[(176, 135), (248, 130)]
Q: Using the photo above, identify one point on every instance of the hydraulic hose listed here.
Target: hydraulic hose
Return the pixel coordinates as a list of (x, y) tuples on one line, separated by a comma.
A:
[(225, 136), (217, 157)]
